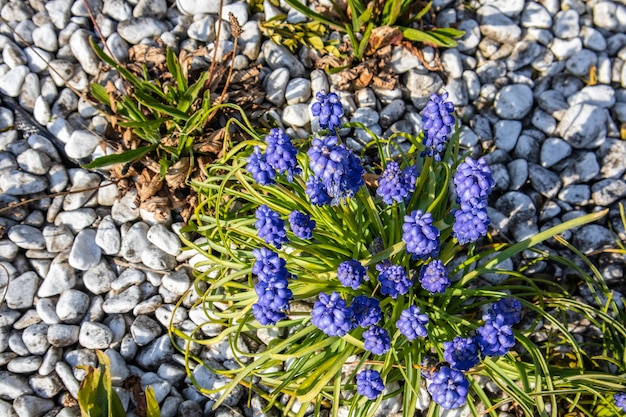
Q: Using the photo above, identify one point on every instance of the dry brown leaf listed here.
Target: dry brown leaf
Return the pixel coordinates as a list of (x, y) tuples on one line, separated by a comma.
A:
[(148, 185), (176, 176), (133, 384), (384, 36), (157, 205)]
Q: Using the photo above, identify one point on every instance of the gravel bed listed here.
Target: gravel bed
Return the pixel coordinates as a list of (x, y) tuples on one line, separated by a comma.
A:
[(540, 87)]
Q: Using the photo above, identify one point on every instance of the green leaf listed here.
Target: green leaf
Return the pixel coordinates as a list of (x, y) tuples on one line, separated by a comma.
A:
[(191, 94), (128, 76), (151, 103), (173, 65), (308, 12), (391, 11), (365, 40), (434, 37), (120, 158), (100, 93), (152, 406), (422, 12)]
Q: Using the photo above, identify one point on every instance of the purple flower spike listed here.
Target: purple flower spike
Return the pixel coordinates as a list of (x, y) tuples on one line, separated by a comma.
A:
[(495, 338), (434, 277), (438, 124), (395, 185), (301, 224), (351, 273), (470, 224), (449, 388), (329, 109), (369, 384), (266, 316), (377, 340), (461, 353), (366, 311), (473, 182), (270, 227), (420, 236), (412, 323), (509, 308), (393, 279), (331, 315), (259, 168), (281, 154)]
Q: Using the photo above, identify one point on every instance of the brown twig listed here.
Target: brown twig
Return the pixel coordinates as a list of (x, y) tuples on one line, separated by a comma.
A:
[(97, 28), (217, 39)]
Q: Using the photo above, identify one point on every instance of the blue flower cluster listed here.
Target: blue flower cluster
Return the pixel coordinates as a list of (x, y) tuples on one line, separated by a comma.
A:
[(395, 185), (393, 279), (270, 227), (351, 273), (473, 183), (279, 157), (301, 224), (332, 315), (620, 400), (329, 110), (366, 311), (438, 123), (337, 172), (434, 277), (449, 388), (420, 236), (369, 383), (494, 338), (412, 323), (377, 340), (271, 288)]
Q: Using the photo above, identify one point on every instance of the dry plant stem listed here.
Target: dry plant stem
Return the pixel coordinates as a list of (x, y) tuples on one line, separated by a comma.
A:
[(97, 28), (74, 90), (217, 39), (30, 200)]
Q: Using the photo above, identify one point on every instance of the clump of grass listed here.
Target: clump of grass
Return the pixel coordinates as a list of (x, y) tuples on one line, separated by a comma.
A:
[(285, 290)]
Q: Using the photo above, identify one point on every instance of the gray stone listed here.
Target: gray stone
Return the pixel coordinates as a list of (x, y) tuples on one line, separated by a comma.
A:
[(161, 237), (524, 53), (35, 338), (519, 214), (47, 311), (583, 126), (528, 148), (117, 9), (45, 37), (145, 330), (50, 359), (85, 254), (81, 144), (612, 157), (597, 95), (605, 15), (72, 306), (544, 181), (608, 191), (81, 180), (21, 291), (122, 302), (8, 250), (298, 91), (135, 242), (13, 386), (41, 144), (297, 115), (518, 173), (41, 111), (45, 386), (95, 335), (536, 16), (514, 101), (250, 41), (11, 82), (129, 277), (60, 277), (544, 122), (392, 112), (108, 236), (134, 30), (194, 7), (563, 49), (156, 353), (593, 39), (566, 24), (125, 209), (276, 85), (99, 278), (30, 405), (498, 26), (554, 150), (469, 40), (593, 237), (16, 182), (278, 56), (575, 194), (402, 60), (553, 102), (148, 306), (152, 8), (24, 364), (66, 375), (581, 62), (177, 282), (202, 30), (211, 381), (26, 237)]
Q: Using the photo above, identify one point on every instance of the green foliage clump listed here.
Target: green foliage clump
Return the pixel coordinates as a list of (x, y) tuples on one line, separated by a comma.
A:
[(297, 365)]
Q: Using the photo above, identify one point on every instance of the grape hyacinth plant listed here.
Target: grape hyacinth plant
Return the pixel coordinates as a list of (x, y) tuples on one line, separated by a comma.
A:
[(345, 288)]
